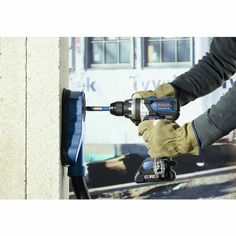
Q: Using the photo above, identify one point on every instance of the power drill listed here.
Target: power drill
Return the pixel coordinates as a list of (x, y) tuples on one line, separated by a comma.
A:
[(137, 110)]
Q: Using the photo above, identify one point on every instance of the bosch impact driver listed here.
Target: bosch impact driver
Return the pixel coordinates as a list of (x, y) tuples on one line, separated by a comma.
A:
[(137, 110)]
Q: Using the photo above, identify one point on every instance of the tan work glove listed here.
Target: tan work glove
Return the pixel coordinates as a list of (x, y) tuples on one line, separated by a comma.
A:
[(164, 90), (167, 139)]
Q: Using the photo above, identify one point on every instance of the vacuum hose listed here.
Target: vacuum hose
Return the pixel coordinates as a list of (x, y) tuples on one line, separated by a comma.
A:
[(80, 187)]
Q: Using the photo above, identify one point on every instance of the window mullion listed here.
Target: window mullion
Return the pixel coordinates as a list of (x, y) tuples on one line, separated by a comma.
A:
[(118, 53), (160, 50), (176, 50), (104, 51)]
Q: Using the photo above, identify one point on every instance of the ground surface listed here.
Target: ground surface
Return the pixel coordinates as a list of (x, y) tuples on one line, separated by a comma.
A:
[(214, 184)]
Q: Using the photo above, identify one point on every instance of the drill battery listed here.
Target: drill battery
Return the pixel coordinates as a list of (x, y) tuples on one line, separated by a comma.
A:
[(155, 170)]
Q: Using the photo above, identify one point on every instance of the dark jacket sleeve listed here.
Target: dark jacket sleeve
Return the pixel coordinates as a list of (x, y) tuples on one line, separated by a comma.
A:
[(218, 121), (209, 73)]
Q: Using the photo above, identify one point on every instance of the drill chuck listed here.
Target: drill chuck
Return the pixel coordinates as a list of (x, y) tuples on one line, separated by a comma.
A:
[(117, 108), (122, 108)]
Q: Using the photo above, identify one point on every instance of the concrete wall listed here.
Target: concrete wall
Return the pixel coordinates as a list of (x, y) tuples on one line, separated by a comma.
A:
[(12, 118), (33, 73)]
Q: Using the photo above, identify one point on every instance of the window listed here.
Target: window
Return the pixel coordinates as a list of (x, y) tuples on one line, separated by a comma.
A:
[(168, 51), (109, 52)]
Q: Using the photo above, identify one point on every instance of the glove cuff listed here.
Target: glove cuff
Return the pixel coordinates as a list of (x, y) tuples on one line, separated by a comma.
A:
[(187, 140), (194, 140)]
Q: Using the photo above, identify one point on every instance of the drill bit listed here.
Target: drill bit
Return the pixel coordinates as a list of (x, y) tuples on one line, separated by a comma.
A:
[(97, 108)]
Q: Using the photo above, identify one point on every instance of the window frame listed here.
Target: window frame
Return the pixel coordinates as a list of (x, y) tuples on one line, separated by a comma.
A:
[(176, 64), (91, 66)]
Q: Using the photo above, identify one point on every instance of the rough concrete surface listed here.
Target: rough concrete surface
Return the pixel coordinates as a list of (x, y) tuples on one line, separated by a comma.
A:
[(44, 87), (33, 72), (12, 118)]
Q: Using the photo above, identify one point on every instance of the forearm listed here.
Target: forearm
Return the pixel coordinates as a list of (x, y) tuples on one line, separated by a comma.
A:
[(218, 121), (209, 73)]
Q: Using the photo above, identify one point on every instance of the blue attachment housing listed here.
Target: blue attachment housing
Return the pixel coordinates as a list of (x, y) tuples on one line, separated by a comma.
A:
[(73, 130)]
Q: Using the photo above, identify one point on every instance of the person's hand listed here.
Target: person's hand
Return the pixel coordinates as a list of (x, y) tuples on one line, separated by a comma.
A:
[(164, 90), (167, 139)]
